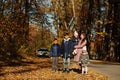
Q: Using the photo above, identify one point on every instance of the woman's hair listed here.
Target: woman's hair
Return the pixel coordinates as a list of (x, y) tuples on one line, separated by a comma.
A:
[(84, 37)]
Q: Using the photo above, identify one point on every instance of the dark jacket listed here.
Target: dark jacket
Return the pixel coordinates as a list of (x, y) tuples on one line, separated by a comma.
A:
[(66, 48), (55, 50), (75, 41)]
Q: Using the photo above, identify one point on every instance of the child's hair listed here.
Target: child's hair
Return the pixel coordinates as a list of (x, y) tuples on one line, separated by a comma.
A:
[(66, 34), (84, 52), (55, 39)]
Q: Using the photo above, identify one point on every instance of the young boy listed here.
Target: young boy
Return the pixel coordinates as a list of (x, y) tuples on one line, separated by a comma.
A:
[(66, 50), (54, 54), (84, 60)]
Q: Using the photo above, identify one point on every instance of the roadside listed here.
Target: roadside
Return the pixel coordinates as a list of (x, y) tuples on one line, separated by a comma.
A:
[(105, 62)]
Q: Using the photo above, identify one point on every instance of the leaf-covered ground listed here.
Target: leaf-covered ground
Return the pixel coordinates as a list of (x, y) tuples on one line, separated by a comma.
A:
[(40, 69)]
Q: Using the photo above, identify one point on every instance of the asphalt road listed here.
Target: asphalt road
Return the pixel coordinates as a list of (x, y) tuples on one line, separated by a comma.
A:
[(111, 70)]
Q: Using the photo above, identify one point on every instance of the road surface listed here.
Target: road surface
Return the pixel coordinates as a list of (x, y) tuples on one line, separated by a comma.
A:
[(111, 70)]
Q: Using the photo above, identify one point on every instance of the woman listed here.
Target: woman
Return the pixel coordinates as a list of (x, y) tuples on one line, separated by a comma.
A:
[(79, 47)]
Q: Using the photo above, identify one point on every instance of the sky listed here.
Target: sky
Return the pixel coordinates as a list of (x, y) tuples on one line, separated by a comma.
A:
[(49, 18)]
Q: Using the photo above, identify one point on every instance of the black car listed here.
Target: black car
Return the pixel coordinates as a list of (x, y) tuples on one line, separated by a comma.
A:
[(43, 52)]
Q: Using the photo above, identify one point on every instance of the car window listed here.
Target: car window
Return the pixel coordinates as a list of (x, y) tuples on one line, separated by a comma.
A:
[(43, 50)]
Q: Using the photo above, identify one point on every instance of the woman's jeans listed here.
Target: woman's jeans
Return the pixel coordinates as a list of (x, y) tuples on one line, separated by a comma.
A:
[(66, 64), (55, 63)]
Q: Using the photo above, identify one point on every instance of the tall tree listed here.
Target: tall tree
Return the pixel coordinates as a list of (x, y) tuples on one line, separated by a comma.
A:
[(68, 14), (14, 25)]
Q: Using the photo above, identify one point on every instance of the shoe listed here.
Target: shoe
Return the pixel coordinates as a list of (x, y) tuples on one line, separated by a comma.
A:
[(64, 71), (68, 71), (86, 72), (56, 70)]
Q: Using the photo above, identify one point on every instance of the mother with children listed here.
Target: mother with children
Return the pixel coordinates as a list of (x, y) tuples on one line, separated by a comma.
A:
[(76, 47)]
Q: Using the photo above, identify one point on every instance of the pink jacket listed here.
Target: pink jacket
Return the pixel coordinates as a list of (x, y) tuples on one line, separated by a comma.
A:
[(79, 50)]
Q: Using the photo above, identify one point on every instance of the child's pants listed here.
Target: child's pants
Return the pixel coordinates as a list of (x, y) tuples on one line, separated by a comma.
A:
[(55, 63), (66, 64), (84, 69)]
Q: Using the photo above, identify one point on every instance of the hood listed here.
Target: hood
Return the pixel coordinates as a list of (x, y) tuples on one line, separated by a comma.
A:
[(67, 39)]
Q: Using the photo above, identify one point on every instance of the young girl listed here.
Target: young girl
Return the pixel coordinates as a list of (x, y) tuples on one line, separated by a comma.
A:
[(84, 60)]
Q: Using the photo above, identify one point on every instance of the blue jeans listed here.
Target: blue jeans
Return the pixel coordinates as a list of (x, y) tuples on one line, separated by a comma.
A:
[(55, 63), (66, 64)]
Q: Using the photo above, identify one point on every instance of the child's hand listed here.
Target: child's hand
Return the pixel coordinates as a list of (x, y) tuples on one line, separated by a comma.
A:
[(88, 62), (51, 57), (58, 57), (68, 54)]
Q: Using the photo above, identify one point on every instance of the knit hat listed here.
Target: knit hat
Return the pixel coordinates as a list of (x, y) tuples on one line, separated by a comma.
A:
[(84, 48), (75, 33)]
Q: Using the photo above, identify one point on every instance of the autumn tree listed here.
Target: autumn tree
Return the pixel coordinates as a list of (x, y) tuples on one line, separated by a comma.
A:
[(13, 25), (67, 14), (40, 18)]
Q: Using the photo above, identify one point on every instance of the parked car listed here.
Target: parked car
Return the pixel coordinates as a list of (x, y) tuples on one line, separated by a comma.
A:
[(43, 52)]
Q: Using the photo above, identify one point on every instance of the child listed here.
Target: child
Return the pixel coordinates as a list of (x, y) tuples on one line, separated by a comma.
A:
[(75, 39), (84, 60), (66, 50), (54, 54)]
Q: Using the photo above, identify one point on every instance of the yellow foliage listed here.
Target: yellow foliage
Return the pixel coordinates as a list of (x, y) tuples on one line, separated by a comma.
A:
[(54, 1), (102, 33)]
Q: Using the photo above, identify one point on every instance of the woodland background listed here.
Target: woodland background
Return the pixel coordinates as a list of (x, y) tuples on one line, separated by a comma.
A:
[(27, 25)]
